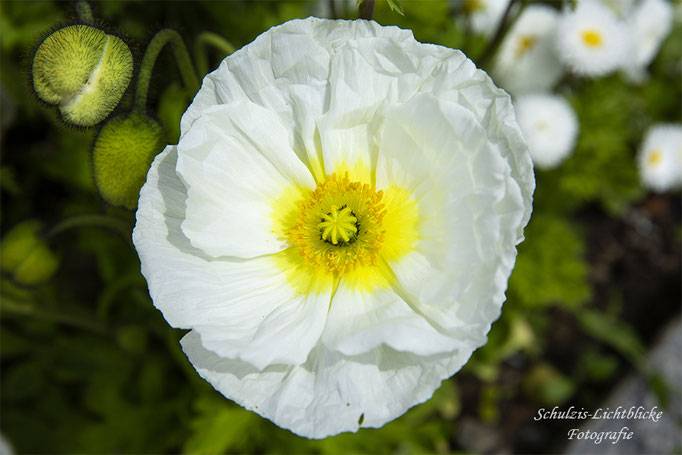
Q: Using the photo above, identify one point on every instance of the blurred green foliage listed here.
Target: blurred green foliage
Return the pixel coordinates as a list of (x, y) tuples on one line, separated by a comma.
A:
[(88, 364)]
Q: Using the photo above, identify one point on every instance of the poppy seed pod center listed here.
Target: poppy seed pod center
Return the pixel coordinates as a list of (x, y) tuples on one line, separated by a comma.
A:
[(339, 223)]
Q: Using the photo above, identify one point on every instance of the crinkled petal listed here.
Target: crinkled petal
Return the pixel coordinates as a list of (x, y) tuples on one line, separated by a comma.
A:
[(360, 321), (470, 212), (244, 309), (285, 73), (366, 76), (236, 160), (331, 392)]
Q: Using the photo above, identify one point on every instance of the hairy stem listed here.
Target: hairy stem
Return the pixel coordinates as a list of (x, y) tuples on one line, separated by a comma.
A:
[(100, 221), (205, 39), (189, 76), (84, 12), (366, 9)]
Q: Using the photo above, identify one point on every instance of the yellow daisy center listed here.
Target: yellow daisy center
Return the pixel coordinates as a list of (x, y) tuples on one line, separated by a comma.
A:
[(592, 37), (655, 157), (339, 225), (525, 43)]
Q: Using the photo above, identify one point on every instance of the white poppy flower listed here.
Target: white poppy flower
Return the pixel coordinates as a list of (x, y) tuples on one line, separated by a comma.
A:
[(649, 24), (527, 61), (550, 127), (591, 40), (660, 158), (337, 222)]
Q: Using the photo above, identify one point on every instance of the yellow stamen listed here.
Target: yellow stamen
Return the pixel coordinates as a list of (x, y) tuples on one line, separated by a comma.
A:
[(350, 232), (344, 229), (592, 37)]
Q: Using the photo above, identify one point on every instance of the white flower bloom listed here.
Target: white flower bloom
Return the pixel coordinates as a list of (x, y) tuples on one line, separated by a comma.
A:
[(550, 127), (337, 223), (591, 40), (649, 24), (485, 15), (527, 61), (660, 158)]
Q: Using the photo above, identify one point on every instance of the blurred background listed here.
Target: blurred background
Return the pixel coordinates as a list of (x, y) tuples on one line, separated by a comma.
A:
[(89, 366)]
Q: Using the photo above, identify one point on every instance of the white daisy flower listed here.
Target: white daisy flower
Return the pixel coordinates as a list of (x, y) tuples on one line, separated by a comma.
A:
[(591, 40), (337, 223), (660, 158), (485, 15), (649, 25), (527, 61), (550, 126)]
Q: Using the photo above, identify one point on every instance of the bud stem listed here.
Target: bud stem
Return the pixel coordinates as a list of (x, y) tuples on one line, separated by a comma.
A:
[(366, 9), (85, 12), (101, 221), (159, 40), (214, 40), (10, 306)]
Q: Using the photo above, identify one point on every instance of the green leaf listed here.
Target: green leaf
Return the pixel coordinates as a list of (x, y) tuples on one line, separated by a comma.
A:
[(396, 6)]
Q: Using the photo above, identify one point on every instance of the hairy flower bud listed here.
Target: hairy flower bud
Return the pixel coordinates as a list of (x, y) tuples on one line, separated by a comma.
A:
[(124, 150), (84, 71), (26, 256)]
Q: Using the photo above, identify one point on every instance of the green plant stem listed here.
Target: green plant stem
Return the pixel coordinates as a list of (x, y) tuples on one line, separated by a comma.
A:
[(9, 306), (100, 221), (366, 9), (182, 58), (215, 40), (502, 29), (84, 12)]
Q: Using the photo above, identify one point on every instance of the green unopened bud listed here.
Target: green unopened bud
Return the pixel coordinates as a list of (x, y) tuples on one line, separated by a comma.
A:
[(26, 255), (124, 150), (84, 71)]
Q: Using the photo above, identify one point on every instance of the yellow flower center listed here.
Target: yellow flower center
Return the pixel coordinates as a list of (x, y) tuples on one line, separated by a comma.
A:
[(344, 229), (339, 225), (525, 43), (592, 38), (655, 157)]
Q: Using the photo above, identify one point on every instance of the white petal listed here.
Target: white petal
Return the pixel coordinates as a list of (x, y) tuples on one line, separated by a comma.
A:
[(286, 73), (360, 321), (457, 274), (244, 309), (236, 160), (330, 392), (365, 76)]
